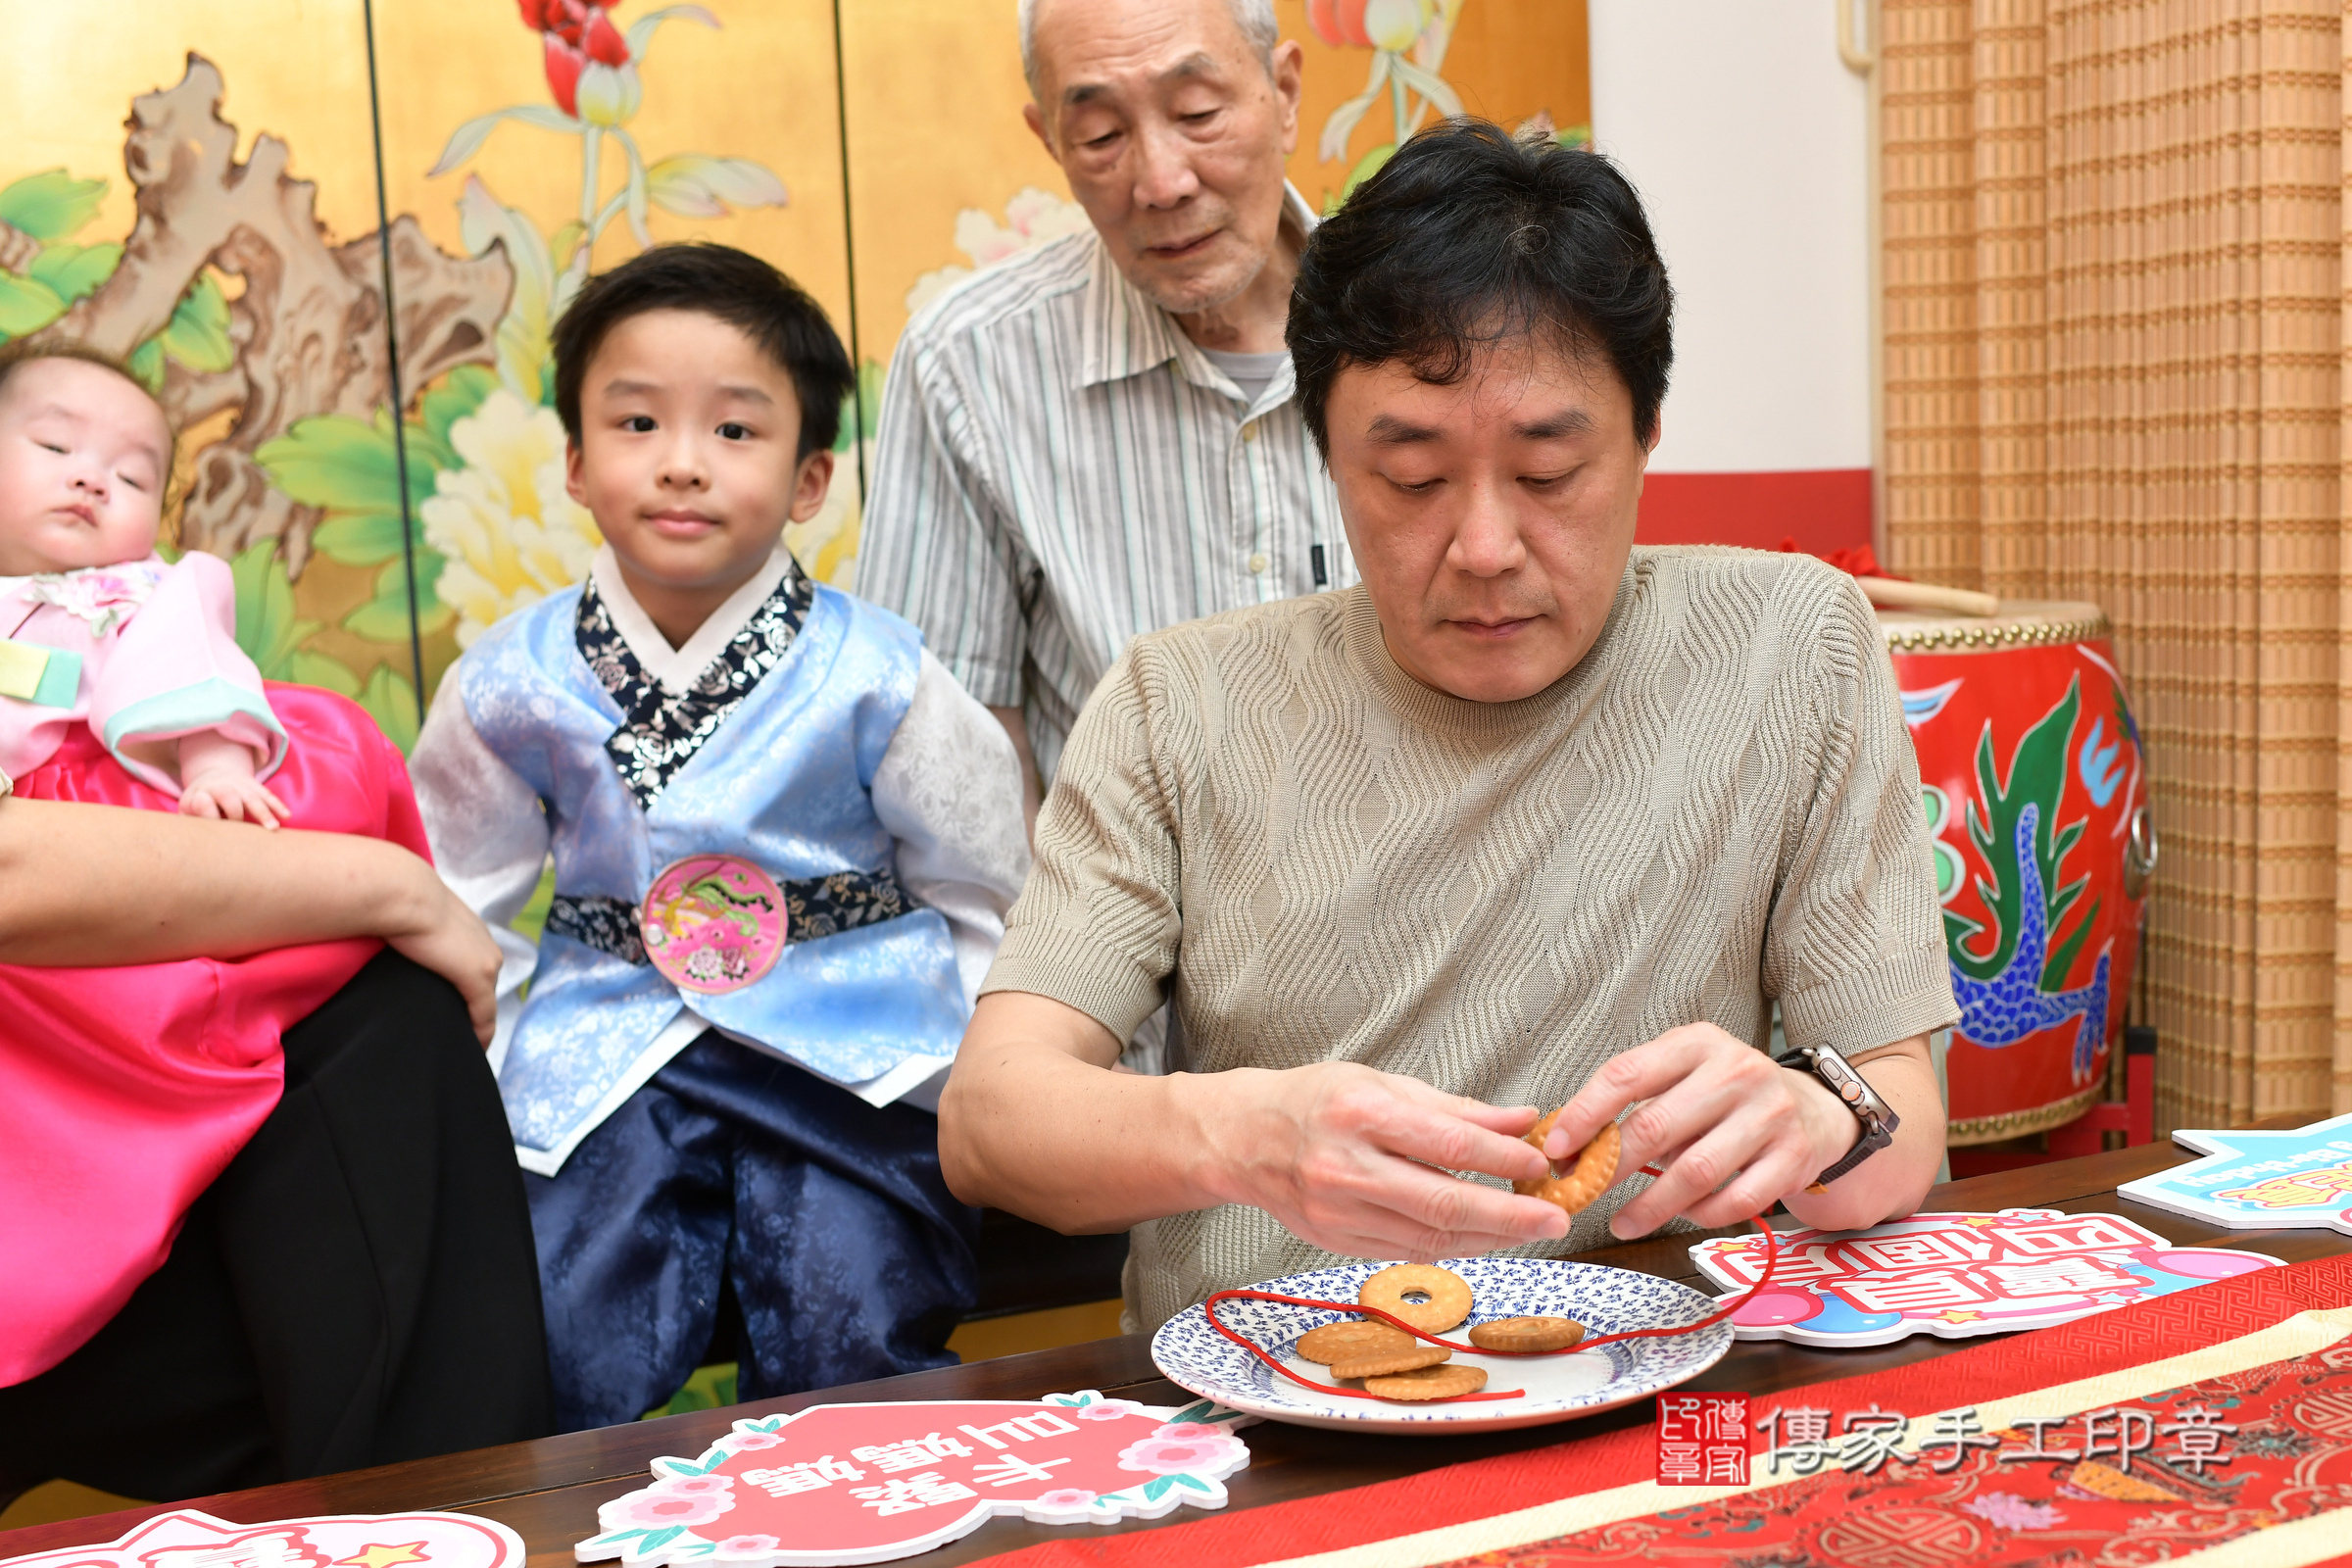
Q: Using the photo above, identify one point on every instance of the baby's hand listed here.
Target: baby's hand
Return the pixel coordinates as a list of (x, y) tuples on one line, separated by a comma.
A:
[(236, 798), (216, 780)]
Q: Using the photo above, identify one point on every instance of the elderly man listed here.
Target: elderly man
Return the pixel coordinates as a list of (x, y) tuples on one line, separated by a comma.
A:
[(1529, 817), (1100, 438)]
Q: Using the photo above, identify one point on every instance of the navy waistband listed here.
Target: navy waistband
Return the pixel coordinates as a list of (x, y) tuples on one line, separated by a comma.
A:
[(813, 907)]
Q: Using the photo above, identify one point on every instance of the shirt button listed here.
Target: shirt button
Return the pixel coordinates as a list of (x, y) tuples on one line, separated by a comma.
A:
[(1250, 431), (1257, 562)]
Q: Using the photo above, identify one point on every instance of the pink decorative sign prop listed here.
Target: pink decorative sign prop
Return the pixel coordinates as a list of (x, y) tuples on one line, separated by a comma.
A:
[(186, 1539), (867, 1482), (1955, 1275), (712, 923)]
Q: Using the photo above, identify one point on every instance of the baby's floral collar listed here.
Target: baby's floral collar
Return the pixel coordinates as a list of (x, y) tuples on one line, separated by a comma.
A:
[(101, 597)]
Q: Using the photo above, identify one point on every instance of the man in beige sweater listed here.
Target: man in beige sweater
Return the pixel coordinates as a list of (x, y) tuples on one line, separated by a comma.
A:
[(1530, 817)]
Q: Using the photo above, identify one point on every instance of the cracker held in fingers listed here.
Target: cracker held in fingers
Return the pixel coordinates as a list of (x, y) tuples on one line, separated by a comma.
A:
[(1573, 1183), (1444, 1296)]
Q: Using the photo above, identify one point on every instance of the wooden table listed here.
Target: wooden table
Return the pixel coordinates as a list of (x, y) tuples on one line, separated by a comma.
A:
[(548, 1491)]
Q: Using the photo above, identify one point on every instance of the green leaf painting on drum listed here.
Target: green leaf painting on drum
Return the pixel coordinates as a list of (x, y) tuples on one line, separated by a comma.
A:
[(2014, 991), (2037, 778)]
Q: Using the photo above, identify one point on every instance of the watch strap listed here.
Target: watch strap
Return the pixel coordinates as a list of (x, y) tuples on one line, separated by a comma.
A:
[(1840, 1077)]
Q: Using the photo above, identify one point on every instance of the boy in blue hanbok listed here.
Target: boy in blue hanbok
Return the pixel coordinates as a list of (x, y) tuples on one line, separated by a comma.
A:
[(784, 843)]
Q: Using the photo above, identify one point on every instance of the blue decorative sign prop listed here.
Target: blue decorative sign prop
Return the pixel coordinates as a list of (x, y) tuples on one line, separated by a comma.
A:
[(2260, 1181)]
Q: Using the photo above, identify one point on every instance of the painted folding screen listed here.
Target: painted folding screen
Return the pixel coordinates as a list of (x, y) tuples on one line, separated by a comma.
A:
[(301, 185)]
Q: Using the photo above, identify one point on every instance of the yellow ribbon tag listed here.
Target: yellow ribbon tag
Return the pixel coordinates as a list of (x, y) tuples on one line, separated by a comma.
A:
[(33, 673), (21, 668)]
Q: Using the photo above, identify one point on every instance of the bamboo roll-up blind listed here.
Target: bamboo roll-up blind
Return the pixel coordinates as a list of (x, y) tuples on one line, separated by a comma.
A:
[(2115, 321)]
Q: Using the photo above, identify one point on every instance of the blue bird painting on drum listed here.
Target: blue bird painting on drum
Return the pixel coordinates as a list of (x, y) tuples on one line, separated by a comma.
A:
[(2013, 1005)]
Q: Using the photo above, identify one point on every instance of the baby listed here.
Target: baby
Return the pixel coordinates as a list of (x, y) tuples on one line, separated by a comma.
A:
[(127, 1087), (99, 628)]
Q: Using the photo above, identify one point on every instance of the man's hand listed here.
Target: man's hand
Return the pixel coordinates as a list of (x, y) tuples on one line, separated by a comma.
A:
[(1347, 1158), (1733, 1131), (1357, 1161)]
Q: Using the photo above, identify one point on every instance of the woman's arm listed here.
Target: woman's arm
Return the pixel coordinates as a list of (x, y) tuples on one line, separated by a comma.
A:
[(104, 885)]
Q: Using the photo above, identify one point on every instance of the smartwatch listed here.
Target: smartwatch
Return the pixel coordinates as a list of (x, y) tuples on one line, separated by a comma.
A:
[(1878, 1119)]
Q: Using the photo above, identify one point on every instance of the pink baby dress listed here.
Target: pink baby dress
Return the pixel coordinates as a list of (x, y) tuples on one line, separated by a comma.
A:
[(125, 1090)]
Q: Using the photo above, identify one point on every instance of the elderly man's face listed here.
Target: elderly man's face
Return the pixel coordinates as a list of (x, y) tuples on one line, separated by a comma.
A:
[(1490, 518), (1172, 132)]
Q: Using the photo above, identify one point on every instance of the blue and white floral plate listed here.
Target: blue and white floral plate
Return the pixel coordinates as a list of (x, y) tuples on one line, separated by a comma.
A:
[(1559, 1388)]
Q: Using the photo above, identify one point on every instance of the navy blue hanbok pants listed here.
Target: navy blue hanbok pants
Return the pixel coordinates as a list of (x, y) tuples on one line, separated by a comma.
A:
[(849, 1257)]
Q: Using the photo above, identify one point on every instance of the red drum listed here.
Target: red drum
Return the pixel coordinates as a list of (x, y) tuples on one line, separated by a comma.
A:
[(2037, 790)]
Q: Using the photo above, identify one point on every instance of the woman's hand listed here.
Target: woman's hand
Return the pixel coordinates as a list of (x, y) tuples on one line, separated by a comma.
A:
[(105, 884), (435, 929)]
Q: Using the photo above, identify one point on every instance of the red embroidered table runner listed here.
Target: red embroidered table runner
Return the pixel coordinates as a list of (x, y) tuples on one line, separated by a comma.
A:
[(2212, 1426)]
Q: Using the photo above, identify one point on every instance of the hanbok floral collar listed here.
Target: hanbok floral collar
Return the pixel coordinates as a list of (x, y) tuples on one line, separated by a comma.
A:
[(660, 732), (102, 597)]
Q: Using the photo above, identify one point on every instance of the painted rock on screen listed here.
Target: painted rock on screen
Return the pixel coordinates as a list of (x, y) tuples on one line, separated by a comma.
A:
[(866, 1483)]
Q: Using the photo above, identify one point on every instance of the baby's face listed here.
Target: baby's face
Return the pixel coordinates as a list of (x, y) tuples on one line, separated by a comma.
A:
[(84, 459)]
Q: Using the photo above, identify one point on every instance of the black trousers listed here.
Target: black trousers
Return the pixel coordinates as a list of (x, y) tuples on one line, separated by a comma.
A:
[(358, 1287)]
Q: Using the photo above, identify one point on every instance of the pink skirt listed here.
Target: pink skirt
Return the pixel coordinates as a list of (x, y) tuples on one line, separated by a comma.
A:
[(125, 1090)]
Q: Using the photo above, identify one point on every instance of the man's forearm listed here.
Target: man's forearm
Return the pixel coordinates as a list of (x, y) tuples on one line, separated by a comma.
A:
[(1029, 1127), (1893, 1181), (82, 884), (1357, 1161)]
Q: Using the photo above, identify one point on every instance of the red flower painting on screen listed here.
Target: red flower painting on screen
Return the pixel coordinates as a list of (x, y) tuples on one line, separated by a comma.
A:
[(575, 32)]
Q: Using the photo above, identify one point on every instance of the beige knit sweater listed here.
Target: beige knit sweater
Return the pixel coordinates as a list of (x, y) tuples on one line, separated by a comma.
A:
[(1718, 806)]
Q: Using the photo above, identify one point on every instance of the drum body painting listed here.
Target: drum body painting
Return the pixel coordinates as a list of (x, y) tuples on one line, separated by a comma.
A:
[(2035, 789)]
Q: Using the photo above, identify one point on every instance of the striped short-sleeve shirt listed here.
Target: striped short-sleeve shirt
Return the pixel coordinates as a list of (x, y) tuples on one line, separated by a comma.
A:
[(1061, 470)]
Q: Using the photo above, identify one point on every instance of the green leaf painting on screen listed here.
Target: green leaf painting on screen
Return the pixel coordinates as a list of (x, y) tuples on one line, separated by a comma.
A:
[(44, 272), (70, 271), (51, 205), (349, 468), (272, 633)]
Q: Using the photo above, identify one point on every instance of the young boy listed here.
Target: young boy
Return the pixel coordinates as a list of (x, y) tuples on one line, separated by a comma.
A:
[(784, 840)]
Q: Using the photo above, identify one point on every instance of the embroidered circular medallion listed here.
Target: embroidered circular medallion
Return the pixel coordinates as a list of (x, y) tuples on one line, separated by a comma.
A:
[(712, 923)]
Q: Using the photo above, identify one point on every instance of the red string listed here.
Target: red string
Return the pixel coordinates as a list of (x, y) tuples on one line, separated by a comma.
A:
[(1209, 1309)]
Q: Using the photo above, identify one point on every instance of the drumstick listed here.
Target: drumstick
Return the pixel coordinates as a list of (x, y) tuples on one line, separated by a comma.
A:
[(1890, 594)]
